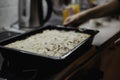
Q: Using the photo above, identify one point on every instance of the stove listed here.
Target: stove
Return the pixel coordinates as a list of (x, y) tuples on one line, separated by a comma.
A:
[(7, 34)]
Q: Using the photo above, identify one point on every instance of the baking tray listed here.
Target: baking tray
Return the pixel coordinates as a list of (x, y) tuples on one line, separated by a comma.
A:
[(21, 60)]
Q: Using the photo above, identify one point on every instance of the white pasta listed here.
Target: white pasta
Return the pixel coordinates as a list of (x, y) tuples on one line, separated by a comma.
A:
[(50, 42)]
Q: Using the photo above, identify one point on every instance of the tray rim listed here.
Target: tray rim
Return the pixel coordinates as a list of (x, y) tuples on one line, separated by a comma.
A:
[(51, 57)]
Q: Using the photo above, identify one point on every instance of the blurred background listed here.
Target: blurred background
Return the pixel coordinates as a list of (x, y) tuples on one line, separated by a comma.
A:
[(9, 10)]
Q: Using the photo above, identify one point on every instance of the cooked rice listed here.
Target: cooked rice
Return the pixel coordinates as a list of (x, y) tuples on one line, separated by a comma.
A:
[(50, 42)]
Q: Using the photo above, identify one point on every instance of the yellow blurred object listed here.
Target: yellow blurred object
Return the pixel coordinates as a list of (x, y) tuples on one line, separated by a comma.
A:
[(92, 1), (70, 10)]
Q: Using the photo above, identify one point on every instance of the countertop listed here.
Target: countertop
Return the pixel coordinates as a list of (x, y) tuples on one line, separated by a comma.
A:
[(107, 29)]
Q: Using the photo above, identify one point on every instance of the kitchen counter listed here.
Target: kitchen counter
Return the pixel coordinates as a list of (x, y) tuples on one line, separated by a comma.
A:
[(107, 29)]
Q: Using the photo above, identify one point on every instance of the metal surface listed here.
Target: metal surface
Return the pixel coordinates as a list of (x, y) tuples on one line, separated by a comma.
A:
[(7, 34), (31, 12)]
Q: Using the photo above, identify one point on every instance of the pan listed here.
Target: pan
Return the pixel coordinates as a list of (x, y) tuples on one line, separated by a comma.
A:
[(21, 60)]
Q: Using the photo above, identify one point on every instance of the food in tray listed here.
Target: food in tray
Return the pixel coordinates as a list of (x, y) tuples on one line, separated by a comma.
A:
[(50, 42)]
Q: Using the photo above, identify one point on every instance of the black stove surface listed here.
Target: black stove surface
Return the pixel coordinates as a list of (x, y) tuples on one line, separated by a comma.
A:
[(7, 34)]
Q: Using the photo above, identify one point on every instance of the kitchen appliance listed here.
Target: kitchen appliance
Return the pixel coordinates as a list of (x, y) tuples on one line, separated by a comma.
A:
[(32, 13)]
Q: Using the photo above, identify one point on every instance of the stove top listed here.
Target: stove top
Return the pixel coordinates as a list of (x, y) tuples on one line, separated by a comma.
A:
[(7, 34)]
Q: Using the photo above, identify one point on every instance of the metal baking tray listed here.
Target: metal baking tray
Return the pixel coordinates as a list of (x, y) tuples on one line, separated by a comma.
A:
[(19, 58), (23, 36)]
